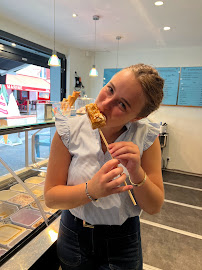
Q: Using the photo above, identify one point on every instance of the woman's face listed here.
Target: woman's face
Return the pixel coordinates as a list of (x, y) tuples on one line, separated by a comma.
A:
[(121, 100)]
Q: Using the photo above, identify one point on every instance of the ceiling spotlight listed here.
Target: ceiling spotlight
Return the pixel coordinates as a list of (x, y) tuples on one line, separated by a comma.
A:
[(166, 28), (74, 15), (13, 44), (158, 3)]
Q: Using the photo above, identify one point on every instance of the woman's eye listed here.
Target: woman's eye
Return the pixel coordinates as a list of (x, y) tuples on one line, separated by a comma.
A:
[(123, 106), (110, 90)]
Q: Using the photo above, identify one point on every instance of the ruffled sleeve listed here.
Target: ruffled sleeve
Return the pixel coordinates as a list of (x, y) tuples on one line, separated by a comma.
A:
[(152, 133), (63, 129)]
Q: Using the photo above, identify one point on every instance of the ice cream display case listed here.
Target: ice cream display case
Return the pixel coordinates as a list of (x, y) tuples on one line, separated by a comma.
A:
[(25, 220)]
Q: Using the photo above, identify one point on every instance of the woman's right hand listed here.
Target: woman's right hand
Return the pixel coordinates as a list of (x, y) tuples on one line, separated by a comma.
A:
[(101, 185)]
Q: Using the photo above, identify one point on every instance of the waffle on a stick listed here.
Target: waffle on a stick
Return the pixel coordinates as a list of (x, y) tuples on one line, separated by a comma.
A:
[(97, 119)]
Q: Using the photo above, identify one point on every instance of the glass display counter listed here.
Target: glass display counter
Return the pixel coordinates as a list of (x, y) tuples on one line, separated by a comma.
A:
[(23, 123), (25, 220)]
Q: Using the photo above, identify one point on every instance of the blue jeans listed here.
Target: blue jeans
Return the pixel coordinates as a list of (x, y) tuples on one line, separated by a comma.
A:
[(104, 247)]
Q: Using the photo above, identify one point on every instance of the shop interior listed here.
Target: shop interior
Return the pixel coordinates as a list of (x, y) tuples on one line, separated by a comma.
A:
[(122, 33)]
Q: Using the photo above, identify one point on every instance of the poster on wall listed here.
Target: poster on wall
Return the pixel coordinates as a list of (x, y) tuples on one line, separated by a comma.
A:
[(109, 73), (171, 76), (190, 88)]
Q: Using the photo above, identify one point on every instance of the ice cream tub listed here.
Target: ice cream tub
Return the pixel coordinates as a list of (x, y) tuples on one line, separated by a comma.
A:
[(34, 180), (21, 199), (38, 190), (20, 188), (43, 205), (7, 209), (25, 217), (2, 251), (39, 222), (7, 194), (8, 233), (19, 238)]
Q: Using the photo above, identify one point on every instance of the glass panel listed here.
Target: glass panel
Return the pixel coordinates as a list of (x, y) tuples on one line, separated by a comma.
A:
[(41, 142), (22, 121), (12, 151), (13, 146)]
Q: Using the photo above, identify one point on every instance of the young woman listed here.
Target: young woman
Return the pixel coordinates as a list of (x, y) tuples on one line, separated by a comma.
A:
[(100, 226)]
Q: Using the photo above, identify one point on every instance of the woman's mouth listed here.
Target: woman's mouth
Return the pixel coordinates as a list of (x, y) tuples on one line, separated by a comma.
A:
[(101, 111), (103, 115)]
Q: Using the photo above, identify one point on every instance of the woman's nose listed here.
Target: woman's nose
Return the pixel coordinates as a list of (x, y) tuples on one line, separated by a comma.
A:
[(107, 103)]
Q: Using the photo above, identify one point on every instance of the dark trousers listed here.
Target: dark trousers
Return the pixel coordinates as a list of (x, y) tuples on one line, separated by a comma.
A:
[(104, 247)]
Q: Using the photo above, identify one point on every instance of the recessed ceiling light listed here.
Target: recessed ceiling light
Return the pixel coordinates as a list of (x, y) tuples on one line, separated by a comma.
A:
[(13, 44), (74, 15), (166, 28), (158, 3)]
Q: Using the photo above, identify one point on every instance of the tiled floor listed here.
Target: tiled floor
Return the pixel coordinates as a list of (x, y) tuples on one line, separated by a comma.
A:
[(172, 239)]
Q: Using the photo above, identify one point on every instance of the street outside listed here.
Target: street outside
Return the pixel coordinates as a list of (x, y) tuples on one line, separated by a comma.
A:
[(14, 155)]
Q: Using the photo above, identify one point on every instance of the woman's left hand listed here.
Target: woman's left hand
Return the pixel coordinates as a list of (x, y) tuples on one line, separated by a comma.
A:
[(128, 154)]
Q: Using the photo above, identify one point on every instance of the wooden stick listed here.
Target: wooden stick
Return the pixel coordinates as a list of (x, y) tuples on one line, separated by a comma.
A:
[(107, 145)]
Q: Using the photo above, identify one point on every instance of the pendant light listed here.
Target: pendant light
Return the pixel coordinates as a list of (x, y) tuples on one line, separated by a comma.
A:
[(117, 55), (93, 71), (54, 61)]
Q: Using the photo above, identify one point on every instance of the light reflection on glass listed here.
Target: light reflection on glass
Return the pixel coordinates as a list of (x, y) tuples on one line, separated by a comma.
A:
[(53, 235)]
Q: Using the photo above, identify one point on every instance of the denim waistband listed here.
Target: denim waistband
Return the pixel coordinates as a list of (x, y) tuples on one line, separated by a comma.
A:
[(131, 225)]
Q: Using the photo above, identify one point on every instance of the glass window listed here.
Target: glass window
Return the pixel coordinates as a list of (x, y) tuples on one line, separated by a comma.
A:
[(13, 147)]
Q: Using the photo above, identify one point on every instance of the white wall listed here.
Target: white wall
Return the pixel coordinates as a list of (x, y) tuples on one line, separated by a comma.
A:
[(79, 61), (184, 123), (184, 142)]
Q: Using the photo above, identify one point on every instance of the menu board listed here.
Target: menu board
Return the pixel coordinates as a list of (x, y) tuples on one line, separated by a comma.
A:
[(190, 89), (170, 90), (109, 73)]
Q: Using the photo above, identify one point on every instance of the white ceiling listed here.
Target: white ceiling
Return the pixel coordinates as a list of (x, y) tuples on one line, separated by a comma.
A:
[(139, 22)]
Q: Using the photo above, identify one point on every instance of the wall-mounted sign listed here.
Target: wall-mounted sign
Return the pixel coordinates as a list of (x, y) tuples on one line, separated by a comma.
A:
[(170, 90), (190, 89), (109, 73)]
